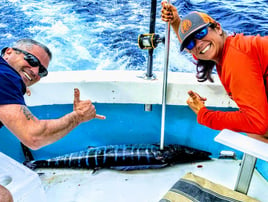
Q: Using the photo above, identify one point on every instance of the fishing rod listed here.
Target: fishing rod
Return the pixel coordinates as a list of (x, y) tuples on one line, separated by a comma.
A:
[(149, 41), (164, 89)]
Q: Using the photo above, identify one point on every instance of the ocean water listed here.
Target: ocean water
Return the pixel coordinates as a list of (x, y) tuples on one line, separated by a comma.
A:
[(103, 34)]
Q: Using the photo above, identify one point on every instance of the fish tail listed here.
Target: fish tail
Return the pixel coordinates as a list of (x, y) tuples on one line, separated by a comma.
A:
[(27, 153), (30, 164)]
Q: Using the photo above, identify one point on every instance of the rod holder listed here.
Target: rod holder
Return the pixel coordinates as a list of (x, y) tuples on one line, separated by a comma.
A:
[(148, 107)]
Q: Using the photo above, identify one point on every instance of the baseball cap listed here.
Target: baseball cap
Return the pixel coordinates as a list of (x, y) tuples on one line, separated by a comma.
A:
[(191, 23)]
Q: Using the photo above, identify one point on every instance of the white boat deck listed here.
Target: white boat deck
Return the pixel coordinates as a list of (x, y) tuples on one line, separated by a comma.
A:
[(69, 185)]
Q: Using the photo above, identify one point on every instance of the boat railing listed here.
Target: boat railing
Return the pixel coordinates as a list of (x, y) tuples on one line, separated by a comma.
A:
[(253, 149)]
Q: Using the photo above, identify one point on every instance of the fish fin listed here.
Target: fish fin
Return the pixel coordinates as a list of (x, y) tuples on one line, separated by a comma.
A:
[(30, 164), (95, 170), (26, 152)]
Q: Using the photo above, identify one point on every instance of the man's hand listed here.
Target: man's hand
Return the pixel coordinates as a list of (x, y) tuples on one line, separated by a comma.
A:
[(195, 101), (84, 108)]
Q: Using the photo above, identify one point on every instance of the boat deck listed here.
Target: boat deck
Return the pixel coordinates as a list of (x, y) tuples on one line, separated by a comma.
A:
[(70, 185)]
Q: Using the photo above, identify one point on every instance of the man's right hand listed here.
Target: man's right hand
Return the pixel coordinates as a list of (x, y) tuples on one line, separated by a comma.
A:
[(84, 108)]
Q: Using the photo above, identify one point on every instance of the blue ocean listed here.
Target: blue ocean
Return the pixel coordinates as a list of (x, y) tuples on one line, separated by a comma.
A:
[(103, 34)]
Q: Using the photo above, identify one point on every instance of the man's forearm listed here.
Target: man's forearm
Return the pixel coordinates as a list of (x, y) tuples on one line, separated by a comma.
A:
[(49, 131)]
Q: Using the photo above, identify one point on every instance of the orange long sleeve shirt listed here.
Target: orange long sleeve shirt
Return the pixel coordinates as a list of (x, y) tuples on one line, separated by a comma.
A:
[(243, 72)]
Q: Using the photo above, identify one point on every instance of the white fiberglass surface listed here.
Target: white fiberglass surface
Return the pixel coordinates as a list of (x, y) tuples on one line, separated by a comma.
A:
[(68, 185)]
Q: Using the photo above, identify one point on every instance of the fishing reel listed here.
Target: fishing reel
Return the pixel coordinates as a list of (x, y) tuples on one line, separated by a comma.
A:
[(149, 41)]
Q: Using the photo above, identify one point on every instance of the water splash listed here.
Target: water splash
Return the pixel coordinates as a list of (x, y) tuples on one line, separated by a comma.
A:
[(102, 35)]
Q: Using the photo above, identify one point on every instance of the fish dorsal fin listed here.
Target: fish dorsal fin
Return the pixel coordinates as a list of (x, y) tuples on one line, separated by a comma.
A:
[(91, 147)]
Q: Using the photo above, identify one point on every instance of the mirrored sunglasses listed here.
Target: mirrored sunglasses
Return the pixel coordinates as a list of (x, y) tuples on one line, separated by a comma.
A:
[(200, 34), (34, 62)]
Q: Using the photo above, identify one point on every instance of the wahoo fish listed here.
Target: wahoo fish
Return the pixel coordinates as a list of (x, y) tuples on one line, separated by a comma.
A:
[(124, 157)]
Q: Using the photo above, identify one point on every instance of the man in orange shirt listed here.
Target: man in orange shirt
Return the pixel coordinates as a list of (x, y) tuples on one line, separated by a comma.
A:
[(241, 62)]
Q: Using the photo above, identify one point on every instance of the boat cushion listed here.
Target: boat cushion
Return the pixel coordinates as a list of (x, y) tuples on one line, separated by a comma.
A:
[(194, 188)]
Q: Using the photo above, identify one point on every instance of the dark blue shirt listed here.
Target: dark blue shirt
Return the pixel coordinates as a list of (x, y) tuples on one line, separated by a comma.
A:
[(12, 87)]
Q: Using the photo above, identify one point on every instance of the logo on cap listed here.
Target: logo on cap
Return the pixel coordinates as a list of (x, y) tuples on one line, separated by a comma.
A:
[(185, 26)]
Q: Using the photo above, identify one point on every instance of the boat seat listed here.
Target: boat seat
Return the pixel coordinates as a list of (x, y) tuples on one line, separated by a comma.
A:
[(253, 149)]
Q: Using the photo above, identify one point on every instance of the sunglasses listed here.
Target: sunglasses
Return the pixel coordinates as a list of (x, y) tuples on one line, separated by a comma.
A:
[(200, 34), (34, 62)]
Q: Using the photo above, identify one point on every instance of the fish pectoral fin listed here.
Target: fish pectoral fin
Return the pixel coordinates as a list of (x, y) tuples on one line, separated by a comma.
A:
[(95, 170)]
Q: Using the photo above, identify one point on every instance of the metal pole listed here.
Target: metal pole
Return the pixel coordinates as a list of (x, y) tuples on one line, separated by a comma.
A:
[(245, 173), (149, 73), (164, 90)]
